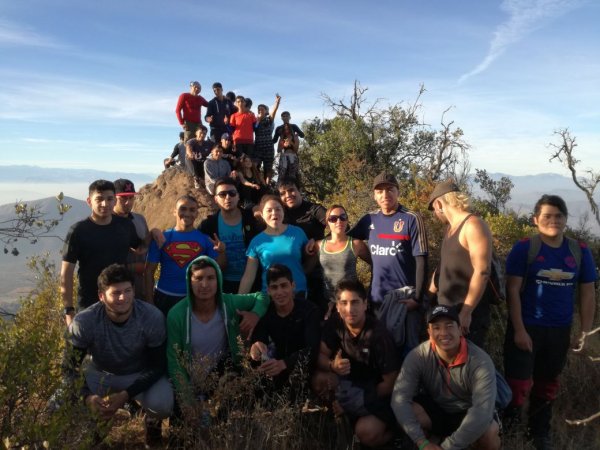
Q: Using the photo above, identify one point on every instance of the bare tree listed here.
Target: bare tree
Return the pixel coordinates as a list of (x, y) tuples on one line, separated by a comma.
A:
[(29, 224), (564, 153)]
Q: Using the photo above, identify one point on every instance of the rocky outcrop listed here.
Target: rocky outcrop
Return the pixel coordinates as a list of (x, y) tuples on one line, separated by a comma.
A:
[(156, 201)]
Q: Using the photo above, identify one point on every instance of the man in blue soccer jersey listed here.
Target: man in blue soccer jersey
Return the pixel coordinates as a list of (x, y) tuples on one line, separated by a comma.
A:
[(545, 275), (397, 241)]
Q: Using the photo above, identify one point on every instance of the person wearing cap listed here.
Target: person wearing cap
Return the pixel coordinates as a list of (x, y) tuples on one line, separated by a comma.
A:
[(125, 193), (189, 105), (218, 111), (444, 397), (465, 259), (230, 153), (397, 241), (94, 243), (357, 360)]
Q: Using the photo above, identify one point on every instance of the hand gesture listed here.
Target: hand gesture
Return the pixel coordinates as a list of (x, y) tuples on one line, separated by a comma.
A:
[(310, 248), (218, 245), (277, 98), (340, 365), (258, 351), (248, 321)]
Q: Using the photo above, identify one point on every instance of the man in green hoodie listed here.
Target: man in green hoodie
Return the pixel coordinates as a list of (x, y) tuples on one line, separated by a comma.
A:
[(207, 322)]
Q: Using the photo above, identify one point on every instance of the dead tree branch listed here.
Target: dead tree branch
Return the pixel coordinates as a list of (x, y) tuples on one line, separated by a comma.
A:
[(564, 153)]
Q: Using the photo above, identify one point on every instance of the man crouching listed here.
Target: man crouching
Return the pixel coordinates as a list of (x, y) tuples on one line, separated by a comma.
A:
[(125, 339), (447, 389), (357, 359)]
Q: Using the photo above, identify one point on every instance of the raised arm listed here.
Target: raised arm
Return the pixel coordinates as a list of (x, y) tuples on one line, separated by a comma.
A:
[(275, 107)]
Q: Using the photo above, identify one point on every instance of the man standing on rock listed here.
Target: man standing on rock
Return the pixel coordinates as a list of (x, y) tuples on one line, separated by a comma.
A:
[(218, 111), (188, 109)]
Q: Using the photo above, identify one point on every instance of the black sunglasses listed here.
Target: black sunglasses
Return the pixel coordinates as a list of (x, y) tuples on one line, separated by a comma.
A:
[(334, 219), (223, 194)]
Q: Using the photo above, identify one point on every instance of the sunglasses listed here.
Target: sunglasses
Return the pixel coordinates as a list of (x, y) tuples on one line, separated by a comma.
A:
[(334, 219), (224, 194)]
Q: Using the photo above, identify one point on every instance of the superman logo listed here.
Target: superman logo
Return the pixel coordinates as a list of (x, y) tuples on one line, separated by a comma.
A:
[(183, 252)]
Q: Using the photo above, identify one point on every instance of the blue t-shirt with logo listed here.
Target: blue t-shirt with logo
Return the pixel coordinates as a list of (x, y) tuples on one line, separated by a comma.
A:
[(179, 250), (235, 249), (550, 282), (285, 249), (393, 242)]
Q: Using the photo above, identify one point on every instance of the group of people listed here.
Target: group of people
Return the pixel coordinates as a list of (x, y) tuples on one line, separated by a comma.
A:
[(287, 283), (240, 144)]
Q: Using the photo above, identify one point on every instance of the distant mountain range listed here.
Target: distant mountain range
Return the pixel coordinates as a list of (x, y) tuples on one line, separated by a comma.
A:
[(35, 174)]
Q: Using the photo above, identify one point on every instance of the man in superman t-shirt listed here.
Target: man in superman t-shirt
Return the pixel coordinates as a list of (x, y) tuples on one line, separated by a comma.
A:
[(182, 244)]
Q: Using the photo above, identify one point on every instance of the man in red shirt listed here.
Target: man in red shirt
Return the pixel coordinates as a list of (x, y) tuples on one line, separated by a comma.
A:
[(188, 110)]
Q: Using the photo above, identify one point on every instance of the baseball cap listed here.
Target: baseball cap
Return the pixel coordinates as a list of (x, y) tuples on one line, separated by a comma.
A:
[(441, 189), (385, 178), (124, 188), (225, 136), (194, 83), (443, 311)]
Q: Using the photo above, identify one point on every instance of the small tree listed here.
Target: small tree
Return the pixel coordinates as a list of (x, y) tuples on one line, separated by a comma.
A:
[(29, 224), (498, 192)]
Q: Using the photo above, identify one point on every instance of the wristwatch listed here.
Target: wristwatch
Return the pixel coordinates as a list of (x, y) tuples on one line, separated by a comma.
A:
[(68, 311)]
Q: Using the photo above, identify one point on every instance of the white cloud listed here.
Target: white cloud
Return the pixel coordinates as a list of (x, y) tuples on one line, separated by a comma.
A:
[(52, 99), (12, 34), (525, 16)]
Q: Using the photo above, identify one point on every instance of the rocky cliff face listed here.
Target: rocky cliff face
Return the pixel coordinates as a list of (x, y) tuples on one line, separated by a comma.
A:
[(156, 201)]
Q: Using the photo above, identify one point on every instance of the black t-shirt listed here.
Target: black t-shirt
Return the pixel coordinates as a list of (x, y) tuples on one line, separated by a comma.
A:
[(371, 353), (295, 336), (95, 247), (308, 216)]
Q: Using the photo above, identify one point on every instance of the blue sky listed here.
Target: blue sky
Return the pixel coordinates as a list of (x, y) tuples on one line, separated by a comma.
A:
[(90, 84)]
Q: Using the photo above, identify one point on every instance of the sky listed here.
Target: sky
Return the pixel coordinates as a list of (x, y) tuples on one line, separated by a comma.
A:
[(87, 84)]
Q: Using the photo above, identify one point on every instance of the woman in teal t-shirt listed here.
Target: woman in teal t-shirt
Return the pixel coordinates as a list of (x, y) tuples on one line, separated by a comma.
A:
[(279, 243)]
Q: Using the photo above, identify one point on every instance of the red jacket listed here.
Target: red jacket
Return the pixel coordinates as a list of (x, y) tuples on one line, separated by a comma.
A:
[(188, 108)]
